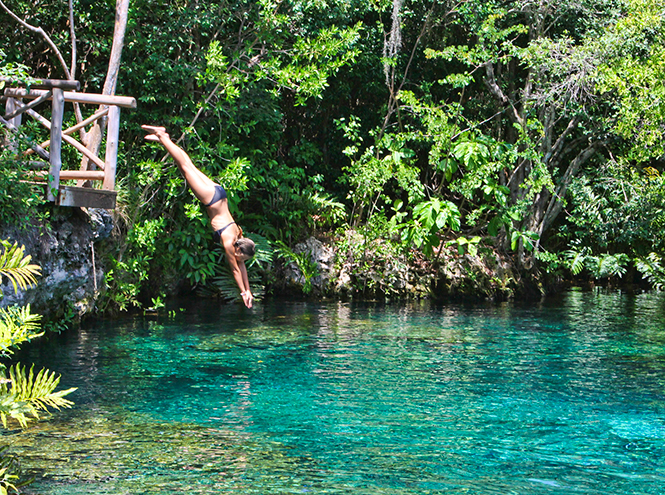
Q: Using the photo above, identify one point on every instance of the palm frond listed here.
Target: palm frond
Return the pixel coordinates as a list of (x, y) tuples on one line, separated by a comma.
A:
[(611, 265), (652, 269), (575, 260), (17, 325), (16, 266), (30, 394)]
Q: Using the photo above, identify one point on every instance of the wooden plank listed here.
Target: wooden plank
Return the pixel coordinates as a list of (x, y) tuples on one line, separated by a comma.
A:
[(57, 115), (111, 157), (36, 164), (57, 83), (74, 174), (10, 107), (86, 197), (92, 98), (89, 120), (45, 84)]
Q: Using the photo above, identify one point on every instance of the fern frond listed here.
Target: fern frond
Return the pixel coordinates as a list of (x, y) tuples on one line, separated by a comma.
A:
[(16, 266), (575, 260), (17, 325), (11, 408), (40, 389), (30, 394)]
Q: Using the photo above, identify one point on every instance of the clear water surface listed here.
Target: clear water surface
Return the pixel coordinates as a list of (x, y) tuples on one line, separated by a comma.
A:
[(565, 396)]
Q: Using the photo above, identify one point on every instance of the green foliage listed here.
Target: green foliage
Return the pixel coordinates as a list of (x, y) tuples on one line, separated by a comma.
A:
[(24, 395), (196, 256), (653, 269), (489, 120), (605, 265), (373, 256), (633, 74), (370, 173), (131, 267), (575, 260), (11, 472), (552, 262), (527, 239), (465, 246), (66, 319), (16, 266), (13, 72), (618, 208), (19, 200), (307, 267), (17, 325), (429, 219), (329, 212)]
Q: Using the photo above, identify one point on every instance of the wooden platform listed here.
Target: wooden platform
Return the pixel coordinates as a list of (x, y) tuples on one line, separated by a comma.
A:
[(86, 197), (92, 169)]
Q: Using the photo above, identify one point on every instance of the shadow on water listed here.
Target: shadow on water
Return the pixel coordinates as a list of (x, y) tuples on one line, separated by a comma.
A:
[(563, 396)]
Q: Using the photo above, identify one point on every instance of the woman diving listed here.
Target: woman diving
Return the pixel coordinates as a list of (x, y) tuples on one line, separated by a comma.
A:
[(225, 230)]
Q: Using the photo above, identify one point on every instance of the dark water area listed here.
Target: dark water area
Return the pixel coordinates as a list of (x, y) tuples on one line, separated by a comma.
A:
[(564, 396)]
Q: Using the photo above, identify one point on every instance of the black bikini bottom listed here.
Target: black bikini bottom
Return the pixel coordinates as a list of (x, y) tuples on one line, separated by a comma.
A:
[(219, 195)]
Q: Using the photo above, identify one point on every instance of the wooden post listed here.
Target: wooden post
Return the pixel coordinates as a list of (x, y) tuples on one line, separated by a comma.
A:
[(57, 114), (111, 158), (10, 107)]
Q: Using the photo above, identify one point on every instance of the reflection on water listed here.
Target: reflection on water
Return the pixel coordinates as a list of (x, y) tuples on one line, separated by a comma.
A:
[(561, 397)]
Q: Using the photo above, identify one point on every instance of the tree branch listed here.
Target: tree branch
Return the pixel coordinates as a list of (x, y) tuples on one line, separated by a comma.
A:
[(555, 203), (42, 33), (494, 88)]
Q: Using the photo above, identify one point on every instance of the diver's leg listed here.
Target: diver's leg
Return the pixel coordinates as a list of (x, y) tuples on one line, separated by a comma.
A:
[(202, 186)]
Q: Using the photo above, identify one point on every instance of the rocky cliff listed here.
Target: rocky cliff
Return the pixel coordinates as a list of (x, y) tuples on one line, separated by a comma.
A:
[(65, 249)]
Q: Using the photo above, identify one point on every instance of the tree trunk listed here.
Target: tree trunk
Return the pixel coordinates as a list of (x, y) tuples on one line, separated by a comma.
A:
[(93, 138)]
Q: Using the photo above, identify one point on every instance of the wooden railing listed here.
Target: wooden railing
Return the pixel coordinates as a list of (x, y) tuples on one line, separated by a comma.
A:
[(60, 92)]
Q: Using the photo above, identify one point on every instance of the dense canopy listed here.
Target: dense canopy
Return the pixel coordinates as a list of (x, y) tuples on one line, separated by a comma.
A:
[(530, 129)]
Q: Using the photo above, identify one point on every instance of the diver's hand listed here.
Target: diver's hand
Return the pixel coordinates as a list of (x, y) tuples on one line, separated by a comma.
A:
[(156, 133), (247, 298)]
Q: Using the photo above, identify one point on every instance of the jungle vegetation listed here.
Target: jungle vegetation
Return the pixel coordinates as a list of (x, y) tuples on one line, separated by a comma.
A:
[(533, 129), (24, 394)]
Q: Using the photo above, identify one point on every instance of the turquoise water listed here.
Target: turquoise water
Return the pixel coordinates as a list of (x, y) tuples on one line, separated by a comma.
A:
[(565, 396)]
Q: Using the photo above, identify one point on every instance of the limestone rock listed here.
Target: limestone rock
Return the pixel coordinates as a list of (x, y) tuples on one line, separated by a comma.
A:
[(64, 250)]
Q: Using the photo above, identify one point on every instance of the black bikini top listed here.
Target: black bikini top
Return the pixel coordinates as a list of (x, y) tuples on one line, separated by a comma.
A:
[(217, 234)]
